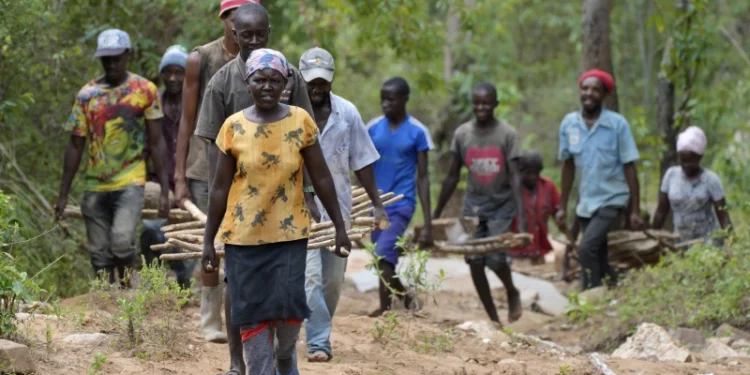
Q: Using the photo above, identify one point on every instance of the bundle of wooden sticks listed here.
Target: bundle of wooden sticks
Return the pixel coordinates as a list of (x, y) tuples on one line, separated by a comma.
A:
[(189, 235), (486, 245)]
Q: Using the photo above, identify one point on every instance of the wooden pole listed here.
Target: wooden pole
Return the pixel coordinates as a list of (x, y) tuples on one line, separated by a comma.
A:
[(73, 212), (198, 231), (196, 250), (181, 226), (368, 210), (194, 211)]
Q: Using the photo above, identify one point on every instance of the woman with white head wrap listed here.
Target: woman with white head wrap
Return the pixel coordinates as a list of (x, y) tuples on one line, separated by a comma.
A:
[(694, 194)]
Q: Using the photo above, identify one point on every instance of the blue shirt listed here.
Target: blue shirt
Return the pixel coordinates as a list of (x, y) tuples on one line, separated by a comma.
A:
[(396, 171), (599, 155)]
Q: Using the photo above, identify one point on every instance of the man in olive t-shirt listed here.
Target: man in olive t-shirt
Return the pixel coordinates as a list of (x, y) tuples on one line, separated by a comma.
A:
[(227, 94)]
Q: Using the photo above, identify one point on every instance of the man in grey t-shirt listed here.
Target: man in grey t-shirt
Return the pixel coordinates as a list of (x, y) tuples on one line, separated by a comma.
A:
[(489, 149)]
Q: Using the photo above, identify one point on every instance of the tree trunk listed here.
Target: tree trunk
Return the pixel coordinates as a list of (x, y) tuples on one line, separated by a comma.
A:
[(665, 113), (597, 52)]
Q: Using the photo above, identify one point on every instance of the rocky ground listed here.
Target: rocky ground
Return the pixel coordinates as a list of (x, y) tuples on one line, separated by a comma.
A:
[(449, 336)]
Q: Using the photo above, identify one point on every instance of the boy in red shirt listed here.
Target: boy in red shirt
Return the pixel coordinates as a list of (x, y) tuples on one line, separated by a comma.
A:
[(541, 200)]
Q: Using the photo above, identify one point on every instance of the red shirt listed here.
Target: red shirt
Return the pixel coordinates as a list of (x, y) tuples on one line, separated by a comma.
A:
[(539, 205)]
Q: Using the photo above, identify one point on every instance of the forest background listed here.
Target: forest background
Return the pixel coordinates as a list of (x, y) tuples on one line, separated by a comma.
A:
[(676, 63)]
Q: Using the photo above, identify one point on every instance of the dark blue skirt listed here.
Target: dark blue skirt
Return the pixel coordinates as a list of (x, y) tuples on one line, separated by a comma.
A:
[(267, 282)]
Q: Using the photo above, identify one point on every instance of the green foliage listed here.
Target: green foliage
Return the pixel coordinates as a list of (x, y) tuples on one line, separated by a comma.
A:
[(435, 344), (384, 330), (579, 309), (97, 365), (15, 285), (700, 288), (157, 293), (8, 226)]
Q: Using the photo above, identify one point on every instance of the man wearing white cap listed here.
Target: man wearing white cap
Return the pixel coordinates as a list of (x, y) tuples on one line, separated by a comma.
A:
[(693, 193), (114, 112), (346, 147)]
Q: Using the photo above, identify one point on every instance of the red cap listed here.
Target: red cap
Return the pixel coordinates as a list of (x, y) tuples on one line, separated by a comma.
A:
[(606, 78), (232, 4)]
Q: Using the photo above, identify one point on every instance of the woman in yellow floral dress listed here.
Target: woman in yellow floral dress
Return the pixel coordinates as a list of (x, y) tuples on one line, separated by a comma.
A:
[(257, 197)]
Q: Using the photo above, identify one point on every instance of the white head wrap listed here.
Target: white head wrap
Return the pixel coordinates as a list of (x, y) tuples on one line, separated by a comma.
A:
[(692, 139)]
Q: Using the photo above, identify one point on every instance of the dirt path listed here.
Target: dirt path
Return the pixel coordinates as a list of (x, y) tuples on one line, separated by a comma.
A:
[(427, 343)]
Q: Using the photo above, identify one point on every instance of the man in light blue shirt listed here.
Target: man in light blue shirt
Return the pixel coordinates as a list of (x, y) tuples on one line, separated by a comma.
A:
[(346, 147), (599, 143)]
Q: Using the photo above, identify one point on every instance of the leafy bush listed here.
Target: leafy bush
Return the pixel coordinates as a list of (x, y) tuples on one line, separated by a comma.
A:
[(700, 288), (155, 293), (15, 287)]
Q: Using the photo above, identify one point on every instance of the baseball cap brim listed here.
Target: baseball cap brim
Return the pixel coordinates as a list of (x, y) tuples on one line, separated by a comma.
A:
[(110, 52), (315, 73)]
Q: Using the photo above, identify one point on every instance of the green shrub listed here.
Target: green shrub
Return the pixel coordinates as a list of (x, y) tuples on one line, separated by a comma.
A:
[(701, 288)]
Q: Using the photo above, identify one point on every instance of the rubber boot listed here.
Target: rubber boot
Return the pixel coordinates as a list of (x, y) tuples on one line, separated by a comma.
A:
[(211, 300)]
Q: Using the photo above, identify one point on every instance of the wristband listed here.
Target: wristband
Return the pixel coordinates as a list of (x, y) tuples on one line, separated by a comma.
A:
[(308, 189)]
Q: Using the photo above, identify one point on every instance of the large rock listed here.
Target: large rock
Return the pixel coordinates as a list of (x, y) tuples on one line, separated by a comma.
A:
[(692, 338), (741, 345), (85, 339), (652, 342), (716, 350), (484, 330), (529, 298), (726, 330), (15, 358)]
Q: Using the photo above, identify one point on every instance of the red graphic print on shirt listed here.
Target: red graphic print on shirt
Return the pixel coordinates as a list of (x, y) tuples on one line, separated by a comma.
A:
[(485, 162)]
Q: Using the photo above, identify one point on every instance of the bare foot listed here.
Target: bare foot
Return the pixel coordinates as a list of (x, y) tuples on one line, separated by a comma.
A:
[(376, 313), (515, 310)]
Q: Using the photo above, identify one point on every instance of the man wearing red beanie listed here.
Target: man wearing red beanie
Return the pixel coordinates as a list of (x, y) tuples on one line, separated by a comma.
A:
[(599, 143), (191, 167)]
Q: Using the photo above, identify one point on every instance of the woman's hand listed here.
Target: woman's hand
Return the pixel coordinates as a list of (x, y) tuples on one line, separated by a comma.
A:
[(208, 259), (343, 245)]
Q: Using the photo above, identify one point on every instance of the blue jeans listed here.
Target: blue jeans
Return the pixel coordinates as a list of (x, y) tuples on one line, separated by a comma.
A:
[(152, 235), (324, 277)]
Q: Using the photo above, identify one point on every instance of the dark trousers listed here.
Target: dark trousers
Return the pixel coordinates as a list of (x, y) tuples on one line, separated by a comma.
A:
[(592, 251), (152, 235)]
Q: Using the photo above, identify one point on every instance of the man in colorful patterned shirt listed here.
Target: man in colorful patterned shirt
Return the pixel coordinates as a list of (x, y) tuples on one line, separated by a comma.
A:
[(114, 112)]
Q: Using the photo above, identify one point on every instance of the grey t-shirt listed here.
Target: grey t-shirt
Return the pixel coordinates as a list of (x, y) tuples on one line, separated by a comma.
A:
[(487, 153), (691, 201)]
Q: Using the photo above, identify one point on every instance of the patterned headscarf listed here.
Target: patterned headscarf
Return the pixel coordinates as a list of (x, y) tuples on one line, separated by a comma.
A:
[(266, 58)]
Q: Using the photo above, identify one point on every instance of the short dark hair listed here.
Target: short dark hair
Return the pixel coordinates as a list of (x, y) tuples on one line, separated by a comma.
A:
[(530, 160), (486, 86), (400, 84), (252, 9)]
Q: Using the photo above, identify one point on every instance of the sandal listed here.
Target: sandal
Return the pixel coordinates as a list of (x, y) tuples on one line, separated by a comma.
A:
[(318, 356)]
